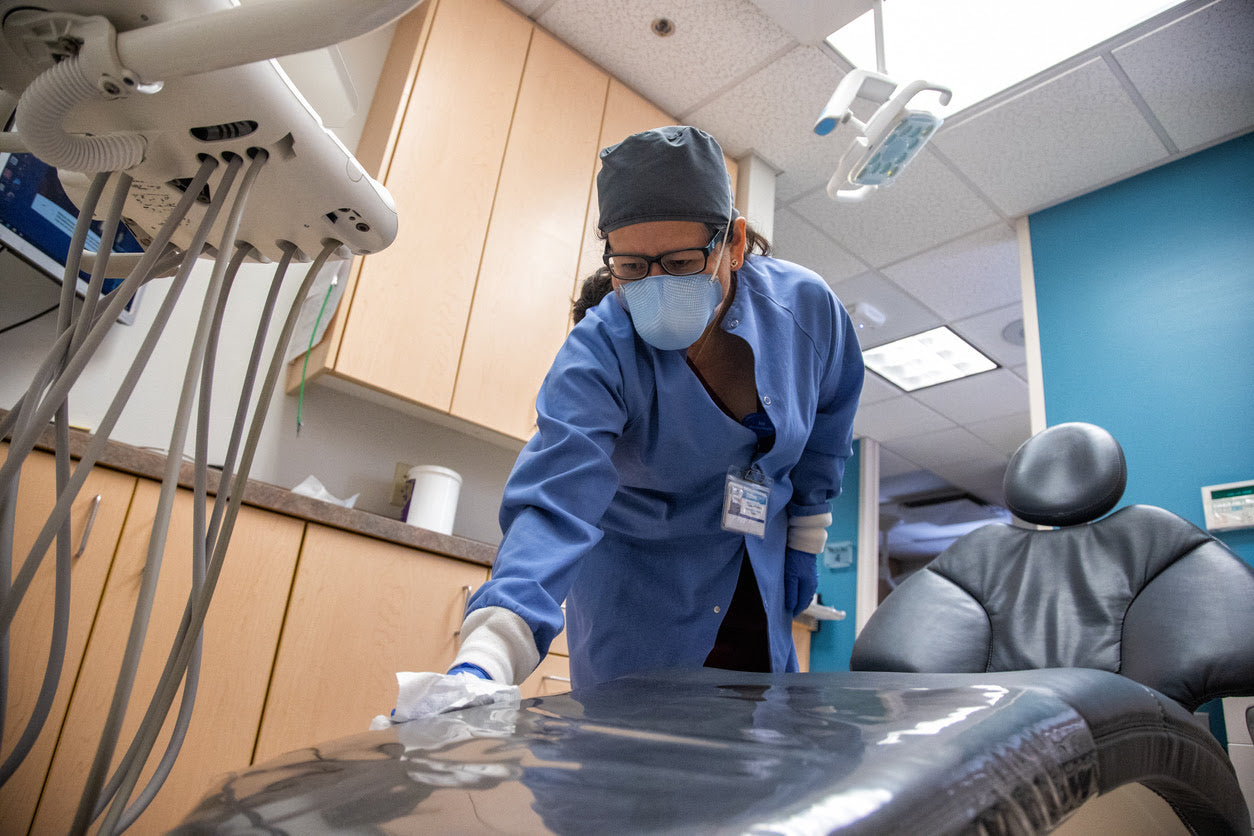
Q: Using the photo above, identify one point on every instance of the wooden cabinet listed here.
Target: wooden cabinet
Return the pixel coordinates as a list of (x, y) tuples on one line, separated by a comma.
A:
[(102, 503), (491, 166), (290, 657), (485, 129), (522, 300), (240, 633), (360, 611), (409, 305), (551, 676), (801, 635)]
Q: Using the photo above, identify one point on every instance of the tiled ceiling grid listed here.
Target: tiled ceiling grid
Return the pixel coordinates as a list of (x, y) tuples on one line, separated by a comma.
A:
[(940, 245)]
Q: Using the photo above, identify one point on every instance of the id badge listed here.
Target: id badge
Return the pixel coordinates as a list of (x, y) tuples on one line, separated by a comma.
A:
[(744, 501)]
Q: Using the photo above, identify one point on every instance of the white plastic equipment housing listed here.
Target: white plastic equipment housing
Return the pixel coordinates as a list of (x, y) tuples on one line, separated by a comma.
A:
[(311, 190)]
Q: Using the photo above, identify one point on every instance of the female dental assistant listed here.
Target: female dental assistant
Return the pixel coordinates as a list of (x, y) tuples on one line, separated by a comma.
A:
[(691, 432)]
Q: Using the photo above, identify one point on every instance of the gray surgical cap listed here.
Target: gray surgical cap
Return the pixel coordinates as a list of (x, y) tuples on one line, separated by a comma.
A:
[(666, 174)]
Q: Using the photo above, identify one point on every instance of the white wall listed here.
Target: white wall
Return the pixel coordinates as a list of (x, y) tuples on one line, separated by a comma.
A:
[(350, 444)]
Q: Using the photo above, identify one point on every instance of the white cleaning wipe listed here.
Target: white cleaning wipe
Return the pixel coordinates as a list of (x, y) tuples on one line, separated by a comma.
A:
[(427, 694)]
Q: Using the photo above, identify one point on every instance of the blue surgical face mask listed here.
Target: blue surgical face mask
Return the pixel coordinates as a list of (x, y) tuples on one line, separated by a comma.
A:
[(670, 312)]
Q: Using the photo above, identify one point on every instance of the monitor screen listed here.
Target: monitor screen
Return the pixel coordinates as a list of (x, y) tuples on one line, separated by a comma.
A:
[(37, 220)]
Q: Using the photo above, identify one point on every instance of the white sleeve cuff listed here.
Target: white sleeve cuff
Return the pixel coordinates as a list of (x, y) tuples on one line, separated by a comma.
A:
[(809, 534), (500, 642)]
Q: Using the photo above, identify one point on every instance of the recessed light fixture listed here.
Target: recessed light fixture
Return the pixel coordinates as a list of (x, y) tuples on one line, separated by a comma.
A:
[(980, 47), (926, 359)]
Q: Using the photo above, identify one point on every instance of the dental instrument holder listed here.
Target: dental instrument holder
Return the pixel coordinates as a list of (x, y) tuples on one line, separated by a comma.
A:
[(175, 109), (887, 142)]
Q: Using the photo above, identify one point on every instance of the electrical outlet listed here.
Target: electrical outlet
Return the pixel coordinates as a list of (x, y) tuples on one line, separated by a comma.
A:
[(398, 483)]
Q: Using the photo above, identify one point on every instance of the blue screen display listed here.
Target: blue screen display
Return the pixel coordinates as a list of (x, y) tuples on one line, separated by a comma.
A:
[(38, 218)]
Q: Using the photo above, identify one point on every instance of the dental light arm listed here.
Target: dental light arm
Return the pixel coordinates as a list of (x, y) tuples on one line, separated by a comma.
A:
[(886, 142), (244, 34)]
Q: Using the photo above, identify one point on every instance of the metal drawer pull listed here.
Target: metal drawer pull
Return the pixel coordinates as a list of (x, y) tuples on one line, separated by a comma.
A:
[(466, 590), (91, 520), (565, 679)]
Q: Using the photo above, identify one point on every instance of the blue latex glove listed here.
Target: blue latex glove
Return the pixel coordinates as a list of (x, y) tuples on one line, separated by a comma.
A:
[(801, 579), (473, 670)]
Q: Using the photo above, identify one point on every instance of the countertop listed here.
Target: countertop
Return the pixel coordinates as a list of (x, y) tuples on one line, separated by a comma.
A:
[(151, 464)]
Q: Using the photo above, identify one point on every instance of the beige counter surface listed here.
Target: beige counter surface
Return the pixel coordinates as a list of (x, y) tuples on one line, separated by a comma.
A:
[(151, 464)]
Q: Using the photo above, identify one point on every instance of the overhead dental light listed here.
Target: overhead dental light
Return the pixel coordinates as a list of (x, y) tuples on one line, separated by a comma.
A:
[(887, 142)]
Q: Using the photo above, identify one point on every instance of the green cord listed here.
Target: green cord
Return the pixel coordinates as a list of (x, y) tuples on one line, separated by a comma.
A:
[(300, 401)]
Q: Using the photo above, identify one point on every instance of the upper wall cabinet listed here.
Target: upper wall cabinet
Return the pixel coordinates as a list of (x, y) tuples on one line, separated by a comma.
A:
[(522, 299), (410, 303), (485, 129)]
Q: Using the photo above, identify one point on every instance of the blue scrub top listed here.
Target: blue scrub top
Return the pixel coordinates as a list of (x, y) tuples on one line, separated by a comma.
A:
[(615, 504)]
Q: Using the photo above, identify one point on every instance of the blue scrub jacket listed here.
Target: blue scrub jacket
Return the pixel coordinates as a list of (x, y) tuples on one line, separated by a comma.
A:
[(615, 504)]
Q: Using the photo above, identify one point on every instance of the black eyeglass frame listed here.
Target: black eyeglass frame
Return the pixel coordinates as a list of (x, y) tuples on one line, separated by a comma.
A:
[(650, 260)]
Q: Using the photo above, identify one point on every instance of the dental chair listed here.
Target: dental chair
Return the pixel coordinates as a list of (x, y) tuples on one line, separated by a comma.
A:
[(1142, 592), (951, 726)]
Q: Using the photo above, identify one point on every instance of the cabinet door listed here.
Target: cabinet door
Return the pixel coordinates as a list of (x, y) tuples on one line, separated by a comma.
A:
[(361, 610), (552, 676), (410, 303), (30, 635), (240, 635), (522, 300), (801, 636)]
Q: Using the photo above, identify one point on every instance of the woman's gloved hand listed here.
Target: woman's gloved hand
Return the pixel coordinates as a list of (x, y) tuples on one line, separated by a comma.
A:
[(801, 580), (427, 694)]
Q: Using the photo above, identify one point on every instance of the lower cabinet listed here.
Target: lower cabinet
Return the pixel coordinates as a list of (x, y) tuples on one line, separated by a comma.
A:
[(551, 676), (801, 640), (95, 521), (240, 634), (361, 610)]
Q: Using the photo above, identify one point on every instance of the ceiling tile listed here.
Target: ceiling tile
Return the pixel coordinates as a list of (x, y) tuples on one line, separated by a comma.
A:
[(960, 458), (528, 7), (897, 418), (876, 389), (714, 42), (1053, 141), (1005, 433), (977, 398), (892, 465), (903, 314), (1197, 73), (968, 276), (985, 333), (773, 112), (797, 240), (927, 205)]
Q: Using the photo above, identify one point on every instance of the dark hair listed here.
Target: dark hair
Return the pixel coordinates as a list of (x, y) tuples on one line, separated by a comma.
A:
[(598, 285)]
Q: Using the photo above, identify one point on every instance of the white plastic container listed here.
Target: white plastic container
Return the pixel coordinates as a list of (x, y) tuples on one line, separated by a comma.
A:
[(432, 502)]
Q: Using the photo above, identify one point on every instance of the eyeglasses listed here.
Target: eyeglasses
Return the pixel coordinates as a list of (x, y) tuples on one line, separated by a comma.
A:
[(629, 267)]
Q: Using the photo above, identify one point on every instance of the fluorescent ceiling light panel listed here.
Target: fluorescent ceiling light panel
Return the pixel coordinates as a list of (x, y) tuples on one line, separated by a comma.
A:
[(980, 47), (936, 356)]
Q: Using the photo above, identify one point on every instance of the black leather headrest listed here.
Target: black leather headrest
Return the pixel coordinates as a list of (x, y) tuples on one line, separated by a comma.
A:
[(1066, 475)]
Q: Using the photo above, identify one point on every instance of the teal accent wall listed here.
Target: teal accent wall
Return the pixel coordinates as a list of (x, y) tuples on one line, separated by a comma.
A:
[(1145, 301), (832, 644)]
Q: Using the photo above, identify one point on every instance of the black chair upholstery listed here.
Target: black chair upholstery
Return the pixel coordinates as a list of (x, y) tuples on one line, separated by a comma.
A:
[(1141, 592)]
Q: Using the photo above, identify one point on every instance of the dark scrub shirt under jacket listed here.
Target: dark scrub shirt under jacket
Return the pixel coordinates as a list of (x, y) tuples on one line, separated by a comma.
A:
[(615, 504)]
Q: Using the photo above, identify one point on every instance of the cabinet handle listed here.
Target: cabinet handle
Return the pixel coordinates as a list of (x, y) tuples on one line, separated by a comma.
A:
[(466, 590), (565, 679), (91, 520)]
